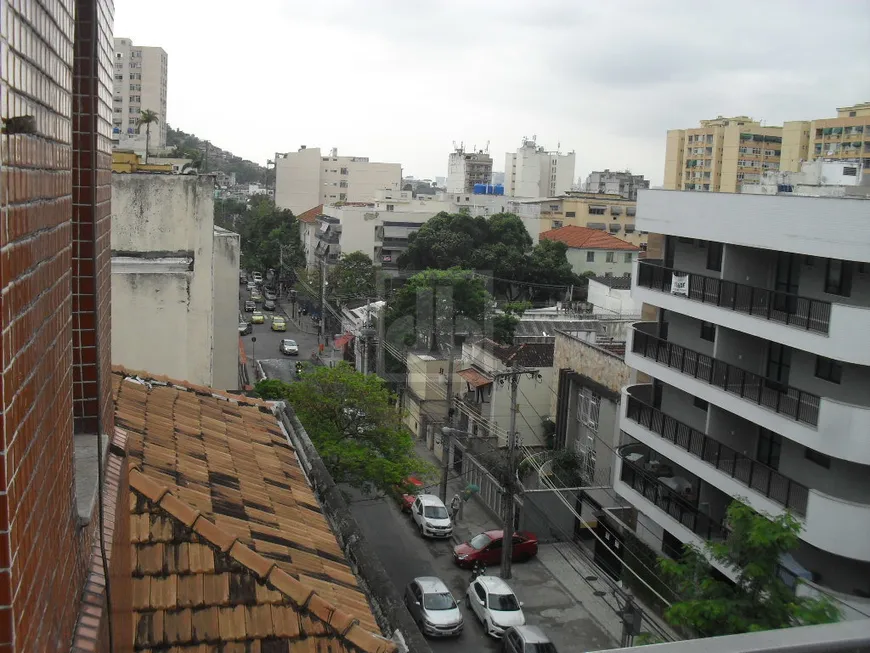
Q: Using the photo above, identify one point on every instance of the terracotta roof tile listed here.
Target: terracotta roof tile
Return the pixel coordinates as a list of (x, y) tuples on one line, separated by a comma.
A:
[(586, 238), (311, 214), (230, 546)]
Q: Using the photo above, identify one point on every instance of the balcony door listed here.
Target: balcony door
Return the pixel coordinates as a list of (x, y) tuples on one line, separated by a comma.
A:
[(778, 366), (788, 270)]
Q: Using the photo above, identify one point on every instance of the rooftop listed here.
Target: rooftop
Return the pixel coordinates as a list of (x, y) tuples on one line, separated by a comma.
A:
[(586, 238), (526, 354), (230, 545), (311, 214), (614, 283)]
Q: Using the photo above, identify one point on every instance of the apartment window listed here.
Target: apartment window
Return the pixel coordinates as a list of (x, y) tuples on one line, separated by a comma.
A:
[(628, 257), (342, 196), (838, 278), (701, 404), (136, 54), (118, 110), (119, 66), (631, 210), (135, 98), (391, 207), (133, 121), (590, 257), (344, 171), (135, 87), (597, 210), (570, 214), (588, 404), (714, 256), (818, 458), (708, 331), (135, 64), (829, 370), (557, 224), (342, 184), (769, 448), (119, 78), (611, 257), (849, 171), (133, 109)]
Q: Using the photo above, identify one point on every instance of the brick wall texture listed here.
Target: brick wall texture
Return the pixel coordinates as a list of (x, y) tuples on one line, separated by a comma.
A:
[(47, 387)]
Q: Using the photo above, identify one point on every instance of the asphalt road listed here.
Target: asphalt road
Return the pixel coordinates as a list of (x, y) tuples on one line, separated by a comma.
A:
[(266, 351), (405, 555)]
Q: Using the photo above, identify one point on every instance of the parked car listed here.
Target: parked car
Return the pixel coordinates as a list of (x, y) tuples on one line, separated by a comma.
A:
[(433, 607), (494, 603), (406, 493), (257, 317), (289, 347), (486, 548), (526, 639), (256, 295), (250, 305), (269, 305), (245, 328), (270, 294), (431, 516), (257, 277), (252, 286), (279, 324), (243, 278)]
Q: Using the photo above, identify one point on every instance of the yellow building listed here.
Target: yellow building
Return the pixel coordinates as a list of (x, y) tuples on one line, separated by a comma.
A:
[(844, 138), (129, 161), (606, 212), (721, 154)]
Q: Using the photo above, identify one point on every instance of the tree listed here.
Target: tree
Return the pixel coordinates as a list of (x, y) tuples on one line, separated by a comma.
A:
[(353, 277), (228, 212), (269, 236), (759, 599), (505, 323), (147, 118), (353, 423)]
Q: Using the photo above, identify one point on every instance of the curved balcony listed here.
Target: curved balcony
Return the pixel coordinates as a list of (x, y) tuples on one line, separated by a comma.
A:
[(718, 464), (826, 425), (814, 325), (838, 526)]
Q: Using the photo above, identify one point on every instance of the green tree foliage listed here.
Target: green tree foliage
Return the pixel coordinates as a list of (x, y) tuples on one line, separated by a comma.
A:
[(147, 118), (499, 244), (189, 146), (353, 423), (504, 324), (265, 230), (759, 600), (229, 212), (353, 277), (436, 303)]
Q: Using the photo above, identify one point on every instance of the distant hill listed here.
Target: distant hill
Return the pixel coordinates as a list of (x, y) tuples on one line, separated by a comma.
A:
[(193, 147)]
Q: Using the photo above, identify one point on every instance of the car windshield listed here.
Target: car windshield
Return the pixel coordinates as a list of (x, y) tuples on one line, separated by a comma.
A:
[(289, 343), (435, 512), (503, 602), (439, 601), (480, 541)]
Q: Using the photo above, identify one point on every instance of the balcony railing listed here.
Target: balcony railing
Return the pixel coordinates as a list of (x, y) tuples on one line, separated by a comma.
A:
[(793, 310), (332, 237), (798, 405), (670, 501), (751, 473)]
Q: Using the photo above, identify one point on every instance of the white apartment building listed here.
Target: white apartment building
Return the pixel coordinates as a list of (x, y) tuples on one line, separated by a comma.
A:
[(465, 169), (140, 76), (756, 377), (306, 178), (615, 182), (817, 178), (532, 171)]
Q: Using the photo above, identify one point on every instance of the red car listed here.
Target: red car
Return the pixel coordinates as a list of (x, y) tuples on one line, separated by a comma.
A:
[(486, 548), (407, 492)]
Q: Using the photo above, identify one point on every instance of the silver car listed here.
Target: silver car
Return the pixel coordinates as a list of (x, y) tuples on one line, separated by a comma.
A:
[(433, 607), (526, 639)]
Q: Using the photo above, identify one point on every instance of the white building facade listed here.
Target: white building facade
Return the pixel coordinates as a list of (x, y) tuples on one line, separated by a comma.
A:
[(175, 299), (140, 77), (759, 376), (465, 169), (307, 178), (532, 171), (818, 178), (615, 182)]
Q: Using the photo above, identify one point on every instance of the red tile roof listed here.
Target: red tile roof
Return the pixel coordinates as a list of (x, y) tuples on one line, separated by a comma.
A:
[(586, 238), (311, 214), (474, 378)]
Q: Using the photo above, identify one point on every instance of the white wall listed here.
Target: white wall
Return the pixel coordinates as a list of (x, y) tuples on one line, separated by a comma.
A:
[(600, 266), (605, 299), (227, 250), (297, 180), (162, 274)]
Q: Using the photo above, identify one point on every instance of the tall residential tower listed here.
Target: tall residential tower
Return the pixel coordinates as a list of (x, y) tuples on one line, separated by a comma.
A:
[(465, 169), (140, 84), (532, 171)]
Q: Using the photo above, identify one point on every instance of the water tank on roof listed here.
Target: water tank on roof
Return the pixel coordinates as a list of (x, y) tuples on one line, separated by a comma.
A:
[(479, 189), (489, 189), (499, 189)]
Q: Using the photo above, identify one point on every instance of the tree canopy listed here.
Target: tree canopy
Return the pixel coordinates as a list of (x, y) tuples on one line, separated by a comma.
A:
[(499, 245), (353, 423), (759, 599), (265, 231), (353, 277), (190, 146)]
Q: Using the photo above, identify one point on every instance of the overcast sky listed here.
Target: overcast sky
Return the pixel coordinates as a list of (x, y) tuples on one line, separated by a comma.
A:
[(400, 80)]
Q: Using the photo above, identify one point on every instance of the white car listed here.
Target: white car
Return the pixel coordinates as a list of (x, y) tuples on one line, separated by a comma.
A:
[(431, 516), (257, 277), (495, 604)]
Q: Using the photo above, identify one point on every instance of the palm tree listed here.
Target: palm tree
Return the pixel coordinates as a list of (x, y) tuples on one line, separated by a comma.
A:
[(146, 118)]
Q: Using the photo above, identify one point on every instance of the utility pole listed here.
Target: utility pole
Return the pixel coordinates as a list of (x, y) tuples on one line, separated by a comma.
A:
[(513, 377), (382, 328), (320, 331), (365, 331), (447, 433)]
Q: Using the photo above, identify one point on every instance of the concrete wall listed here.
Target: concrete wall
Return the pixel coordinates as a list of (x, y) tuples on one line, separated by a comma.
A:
[(297, 180), (227, 250), (162, 275), (598, 364), (605, 299), (600, 266)]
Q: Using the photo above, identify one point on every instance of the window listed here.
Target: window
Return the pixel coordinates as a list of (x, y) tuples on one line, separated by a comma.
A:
[(134, 110), (135, 98), (769, 448), (628, 257), (344, 171), (391, 207), (610, 257), (119, 78), (597, 210), (135, 75), (588, 404), (829, 370), (819, 459), (557, 224), (838, 278), (570, 214), (342, 184), (590, 257), (701, 404), (708, 331), (714, 256), (850, 171)]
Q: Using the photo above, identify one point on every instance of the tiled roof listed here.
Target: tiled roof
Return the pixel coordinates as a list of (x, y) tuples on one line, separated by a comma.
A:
[(528, 354), (474, 377), (311, 214), (615, 283), (586, 238), (230, 545)]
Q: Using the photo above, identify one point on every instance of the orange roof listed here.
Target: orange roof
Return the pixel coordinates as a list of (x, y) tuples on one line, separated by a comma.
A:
[(230, 546), (474, 378), (586, 238), (311, 214)]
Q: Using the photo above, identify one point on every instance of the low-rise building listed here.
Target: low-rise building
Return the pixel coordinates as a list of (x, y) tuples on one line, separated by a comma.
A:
[(465, 169), (595, 251), (174, 280), (425, 394), (818, 178), (615, 182), (612, 296)]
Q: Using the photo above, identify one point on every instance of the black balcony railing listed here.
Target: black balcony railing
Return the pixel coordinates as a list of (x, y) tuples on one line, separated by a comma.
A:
[(786, 308), (799, 405), (670, 501), (751, 473), (330, 237)]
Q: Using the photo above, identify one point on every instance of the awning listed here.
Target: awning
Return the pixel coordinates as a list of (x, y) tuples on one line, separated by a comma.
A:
[(341, 341), (475, 379)]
